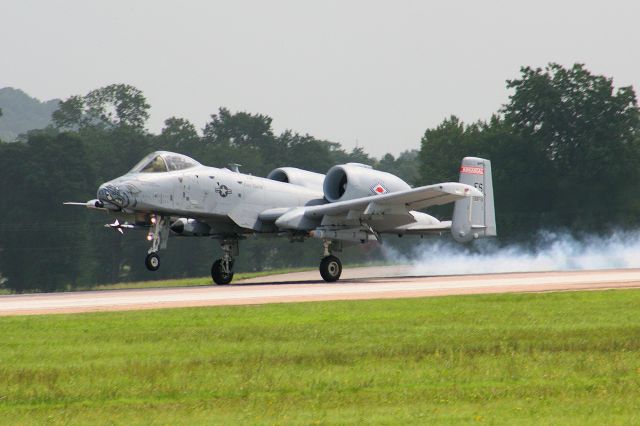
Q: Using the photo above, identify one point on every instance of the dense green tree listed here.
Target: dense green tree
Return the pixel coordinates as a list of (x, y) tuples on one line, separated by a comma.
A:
[(305, 152), (69, 116), (588, 130), (41, 239), (240, 138), (406, 166), (178, 133), (524, 185), (116, 105), (564, 152), (239, 129), (357, 155), (441, 150), (575, 115)]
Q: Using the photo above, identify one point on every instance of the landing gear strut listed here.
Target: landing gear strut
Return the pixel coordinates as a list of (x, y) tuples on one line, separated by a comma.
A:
[(222, 269), (158, 237), (330, 266)]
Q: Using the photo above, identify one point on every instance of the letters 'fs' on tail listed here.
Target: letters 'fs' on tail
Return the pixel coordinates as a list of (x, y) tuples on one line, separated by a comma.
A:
[(475, 217)]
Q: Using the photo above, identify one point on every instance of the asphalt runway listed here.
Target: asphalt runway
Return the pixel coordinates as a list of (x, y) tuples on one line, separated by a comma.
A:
[(358, 283)]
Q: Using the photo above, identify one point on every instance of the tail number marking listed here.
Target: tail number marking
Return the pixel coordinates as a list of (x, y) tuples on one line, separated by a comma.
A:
[(471, 170)]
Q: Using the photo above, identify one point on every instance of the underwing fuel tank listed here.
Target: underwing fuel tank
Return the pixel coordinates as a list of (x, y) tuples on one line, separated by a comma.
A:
[(190, 227)]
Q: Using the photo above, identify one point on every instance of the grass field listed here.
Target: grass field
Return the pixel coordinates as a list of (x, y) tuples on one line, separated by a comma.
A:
[(555, 358)]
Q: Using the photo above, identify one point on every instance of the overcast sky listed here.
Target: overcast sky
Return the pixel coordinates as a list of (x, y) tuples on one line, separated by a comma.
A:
[(373, 73)]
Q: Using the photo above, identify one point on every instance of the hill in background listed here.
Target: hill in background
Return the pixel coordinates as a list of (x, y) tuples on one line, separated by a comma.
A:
[(21, 113)]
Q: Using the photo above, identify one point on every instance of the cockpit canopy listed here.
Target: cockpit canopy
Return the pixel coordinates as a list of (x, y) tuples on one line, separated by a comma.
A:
[(163, 161)]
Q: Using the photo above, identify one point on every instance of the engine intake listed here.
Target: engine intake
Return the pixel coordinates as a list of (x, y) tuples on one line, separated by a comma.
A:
[(354, 180), (298, 177)]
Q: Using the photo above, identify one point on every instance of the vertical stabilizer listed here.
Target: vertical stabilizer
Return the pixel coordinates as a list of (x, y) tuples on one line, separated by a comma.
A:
[(475, 217)]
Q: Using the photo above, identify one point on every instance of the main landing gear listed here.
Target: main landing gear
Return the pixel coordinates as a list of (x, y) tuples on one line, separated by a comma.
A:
[(330, 265), (222, 269), (158, 237), (152, 262)]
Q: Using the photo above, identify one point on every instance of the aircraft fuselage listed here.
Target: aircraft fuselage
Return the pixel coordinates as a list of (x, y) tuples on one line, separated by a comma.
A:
[(206, 192)]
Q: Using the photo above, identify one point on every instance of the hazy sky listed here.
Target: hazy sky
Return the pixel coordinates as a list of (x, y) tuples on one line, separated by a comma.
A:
[(378, 73)]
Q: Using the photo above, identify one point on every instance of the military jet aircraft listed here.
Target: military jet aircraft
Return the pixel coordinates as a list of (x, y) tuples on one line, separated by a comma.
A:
[(168, 193)]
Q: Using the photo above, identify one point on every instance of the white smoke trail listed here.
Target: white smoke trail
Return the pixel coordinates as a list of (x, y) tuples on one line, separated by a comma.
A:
[(551, 252)]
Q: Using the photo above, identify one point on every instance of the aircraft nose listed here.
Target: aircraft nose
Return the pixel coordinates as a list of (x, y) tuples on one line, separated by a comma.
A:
[(116, 194)]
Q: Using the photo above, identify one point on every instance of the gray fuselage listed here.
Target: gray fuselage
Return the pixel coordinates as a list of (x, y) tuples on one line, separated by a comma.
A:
[(206, 193)]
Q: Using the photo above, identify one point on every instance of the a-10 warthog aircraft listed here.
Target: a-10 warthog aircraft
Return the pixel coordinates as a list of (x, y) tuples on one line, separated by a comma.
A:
[(168, 193)]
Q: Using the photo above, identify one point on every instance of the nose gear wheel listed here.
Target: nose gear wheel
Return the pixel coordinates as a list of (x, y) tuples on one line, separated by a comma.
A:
[(152, 262)]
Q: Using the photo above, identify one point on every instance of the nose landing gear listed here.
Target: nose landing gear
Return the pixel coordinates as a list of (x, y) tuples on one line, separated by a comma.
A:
[(152, 262), (158, 237)]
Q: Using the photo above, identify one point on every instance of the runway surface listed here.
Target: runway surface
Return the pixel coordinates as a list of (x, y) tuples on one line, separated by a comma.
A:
[(358, 283)]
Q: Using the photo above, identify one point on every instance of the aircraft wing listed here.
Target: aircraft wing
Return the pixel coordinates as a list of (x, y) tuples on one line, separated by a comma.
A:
[(412, 199), (397, 203)]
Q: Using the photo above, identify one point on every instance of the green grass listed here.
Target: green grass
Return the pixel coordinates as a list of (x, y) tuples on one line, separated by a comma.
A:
[(555, 358)]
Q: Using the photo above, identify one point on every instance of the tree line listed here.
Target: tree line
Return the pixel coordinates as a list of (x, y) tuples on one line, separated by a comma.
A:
[(565, 151)]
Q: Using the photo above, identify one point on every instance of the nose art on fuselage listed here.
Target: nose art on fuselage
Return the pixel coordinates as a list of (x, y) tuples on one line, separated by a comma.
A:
[(115, 194)]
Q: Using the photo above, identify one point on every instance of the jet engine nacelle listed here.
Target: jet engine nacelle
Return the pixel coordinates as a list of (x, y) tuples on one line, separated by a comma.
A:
[(354, 180), (298, 177), (190, 227)]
